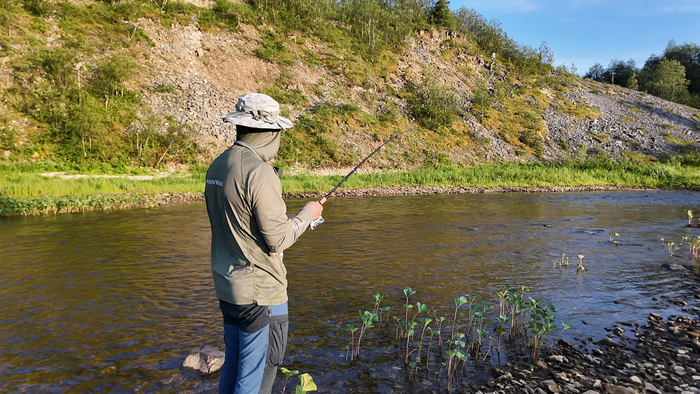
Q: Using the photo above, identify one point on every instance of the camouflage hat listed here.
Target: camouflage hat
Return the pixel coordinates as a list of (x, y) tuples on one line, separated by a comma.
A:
[(258, 111)]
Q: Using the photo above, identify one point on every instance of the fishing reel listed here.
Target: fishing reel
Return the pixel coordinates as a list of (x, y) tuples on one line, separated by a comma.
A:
[(316, 223)]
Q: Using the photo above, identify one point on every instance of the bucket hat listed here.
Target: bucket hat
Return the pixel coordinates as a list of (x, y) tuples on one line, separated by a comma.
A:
[(258, 111)]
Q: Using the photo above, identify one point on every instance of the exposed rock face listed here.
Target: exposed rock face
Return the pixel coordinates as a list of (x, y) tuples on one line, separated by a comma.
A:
[(197, 76), (630, 121)]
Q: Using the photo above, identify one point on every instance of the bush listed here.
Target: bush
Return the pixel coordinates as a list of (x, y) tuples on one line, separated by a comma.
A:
[(433, 104)]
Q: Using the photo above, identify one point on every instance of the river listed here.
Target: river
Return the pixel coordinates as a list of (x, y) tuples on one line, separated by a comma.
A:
[(114, 301)]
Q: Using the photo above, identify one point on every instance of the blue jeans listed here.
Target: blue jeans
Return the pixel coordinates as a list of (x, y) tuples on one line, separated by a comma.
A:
[(252, 359)]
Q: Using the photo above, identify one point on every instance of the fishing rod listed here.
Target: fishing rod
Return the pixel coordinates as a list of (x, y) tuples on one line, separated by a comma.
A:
[(320, 220)]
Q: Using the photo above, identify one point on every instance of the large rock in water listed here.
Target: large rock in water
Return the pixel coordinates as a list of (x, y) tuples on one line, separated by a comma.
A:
[(204, 360)]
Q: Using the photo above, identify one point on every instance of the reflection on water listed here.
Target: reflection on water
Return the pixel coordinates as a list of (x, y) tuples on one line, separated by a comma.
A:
[(113, 302)]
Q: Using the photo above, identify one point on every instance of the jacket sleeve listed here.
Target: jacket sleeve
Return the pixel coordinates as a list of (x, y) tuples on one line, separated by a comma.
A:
[(270, 211)]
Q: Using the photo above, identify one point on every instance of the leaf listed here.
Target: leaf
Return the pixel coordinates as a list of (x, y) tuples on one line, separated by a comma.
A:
[(307, 383), (565, 325), (288, 373)]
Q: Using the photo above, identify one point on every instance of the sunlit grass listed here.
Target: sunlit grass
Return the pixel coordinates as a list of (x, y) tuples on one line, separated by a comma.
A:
[(24, 190), (23, 184), (509, 175)]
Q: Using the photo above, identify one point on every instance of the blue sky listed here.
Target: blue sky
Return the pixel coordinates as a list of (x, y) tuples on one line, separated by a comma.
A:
[(585, 32)]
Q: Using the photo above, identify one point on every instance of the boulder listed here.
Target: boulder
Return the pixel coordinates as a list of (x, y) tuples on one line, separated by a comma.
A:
[(205, 360)]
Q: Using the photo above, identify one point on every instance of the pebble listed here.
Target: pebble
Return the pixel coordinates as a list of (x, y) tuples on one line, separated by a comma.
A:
[(651, 388), (655, 361)]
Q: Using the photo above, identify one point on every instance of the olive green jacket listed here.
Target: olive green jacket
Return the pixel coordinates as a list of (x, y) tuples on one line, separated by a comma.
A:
[(250, 228)]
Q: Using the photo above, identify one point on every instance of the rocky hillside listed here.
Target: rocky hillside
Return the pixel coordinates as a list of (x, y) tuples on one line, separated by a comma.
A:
[(347, 103), (208, 71)]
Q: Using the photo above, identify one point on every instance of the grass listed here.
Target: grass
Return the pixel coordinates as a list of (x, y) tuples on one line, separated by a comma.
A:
[(678, 141), (24, 191), (530, 175)]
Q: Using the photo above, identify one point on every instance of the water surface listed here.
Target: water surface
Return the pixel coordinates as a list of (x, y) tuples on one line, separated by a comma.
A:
[(114, 301)]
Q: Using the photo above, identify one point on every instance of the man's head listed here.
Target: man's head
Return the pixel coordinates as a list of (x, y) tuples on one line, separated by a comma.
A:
[(258, 111), (258, 123)]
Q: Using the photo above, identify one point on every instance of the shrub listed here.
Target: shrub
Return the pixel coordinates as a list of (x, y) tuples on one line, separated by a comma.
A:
[(434, 104)]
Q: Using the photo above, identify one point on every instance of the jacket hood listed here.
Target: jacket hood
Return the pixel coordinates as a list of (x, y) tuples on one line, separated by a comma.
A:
[(266, 144)]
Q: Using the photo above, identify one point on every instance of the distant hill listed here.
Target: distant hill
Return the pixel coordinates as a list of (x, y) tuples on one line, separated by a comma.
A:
[(166, 81)]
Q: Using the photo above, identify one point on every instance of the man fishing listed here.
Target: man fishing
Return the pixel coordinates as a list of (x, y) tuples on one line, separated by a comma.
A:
[(250, 231)]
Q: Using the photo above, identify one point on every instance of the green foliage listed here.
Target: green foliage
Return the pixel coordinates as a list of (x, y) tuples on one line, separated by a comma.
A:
[(9, 135), (155, 142), (377, 25), (110, 76), (673, 76), (86, 115), (440, 14), (481, 98), (23, 182), (283, 94), (494, 43), (687, 55), (82, 97), (618, 72), (40, 8), (666, 79), (275, 49), (468, 332), (311, 140), (8, 10), (433, 104), (520, 123), (13, 206), (226, 14)]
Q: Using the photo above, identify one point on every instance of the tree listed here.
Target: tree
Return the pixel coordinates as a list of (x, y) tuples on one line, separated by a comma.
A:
[(546, 57), (633, 83), (666, 80), (620, 73), (595, 73), (440, 14), (689, 56)]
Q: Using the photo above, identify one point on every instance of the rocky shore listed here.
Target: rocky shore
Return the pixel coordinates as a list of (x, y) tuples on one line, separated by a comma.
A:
[(422, 190), (661, 356)]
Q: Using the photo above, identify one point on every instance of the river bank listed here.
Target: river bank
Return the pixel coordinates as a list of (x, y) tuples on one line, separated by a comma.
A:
[(661, 356), (37, 190), (18, 206)]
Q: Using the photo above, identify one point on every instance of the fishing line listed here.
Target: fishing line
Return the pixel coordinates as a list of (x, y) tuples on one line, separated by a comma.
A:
[(320, 220)]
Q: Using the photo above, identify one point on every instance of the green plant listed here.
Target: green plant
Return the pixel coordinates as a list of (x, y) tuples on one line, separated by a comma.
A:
[(612, 238), (695, 247), (368, 319), (669, 245), (472, 335), (454, 356), (306, 382), (563, 261), (433, 104), (690, 216), (275, 49), (540, 325)]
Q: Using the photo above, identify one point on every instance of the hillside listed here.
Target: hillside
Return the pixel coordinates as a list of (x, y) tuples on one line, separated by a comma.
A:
[(345, 104), (209, 71)]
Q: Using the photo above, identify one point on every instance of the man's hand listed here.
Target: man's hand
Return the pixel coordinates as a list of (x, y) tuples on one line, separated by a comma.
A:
[(317, 208)]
